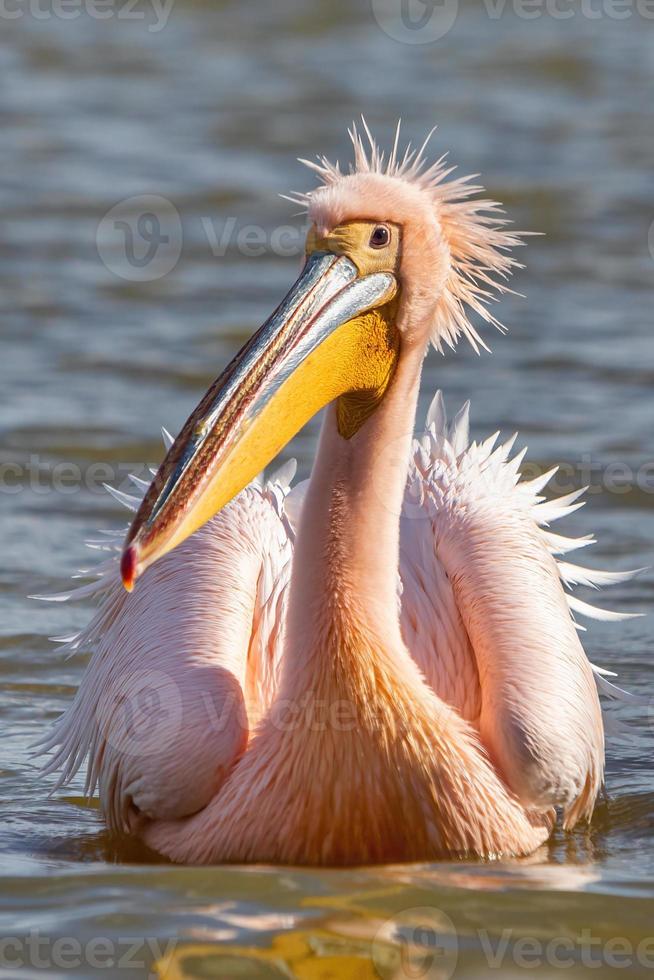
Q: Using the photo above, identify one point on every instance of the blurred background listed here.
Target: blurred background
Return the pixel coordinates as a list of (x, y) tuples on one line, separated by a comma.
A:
[(143, 147)]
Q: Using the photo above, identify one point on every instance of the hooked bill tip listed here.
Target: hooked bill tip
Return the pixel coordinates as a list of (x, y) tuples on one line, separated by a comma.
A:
[(128, 567)]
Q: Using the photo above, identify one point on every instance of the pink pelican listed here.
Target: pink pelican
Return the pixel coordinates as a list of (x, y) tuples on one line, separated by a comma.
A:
[(378, 665)]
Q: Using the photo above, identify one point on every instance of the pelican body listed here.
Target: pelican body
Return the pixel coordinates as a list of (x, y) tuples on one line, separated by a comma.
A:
[(380, 664)]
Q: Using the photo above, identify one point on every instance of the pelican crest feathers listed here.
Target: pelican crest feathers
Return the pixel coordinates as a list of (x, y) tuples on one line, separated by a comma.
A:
[(472, 228)]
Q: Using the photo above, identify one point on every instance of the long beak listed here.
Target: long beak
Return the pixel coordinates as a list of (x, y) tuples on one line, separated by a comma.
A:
[(314, 348)]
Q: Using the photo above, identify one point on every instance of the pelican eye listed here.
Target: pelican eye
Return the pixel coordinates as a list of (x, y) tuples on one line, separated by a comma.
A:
[(380, 237)]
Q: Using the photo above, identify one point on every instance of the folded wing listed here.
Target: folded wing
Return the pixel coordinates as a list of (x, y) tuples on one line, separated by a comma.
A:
[(183, 667), (486, 613)]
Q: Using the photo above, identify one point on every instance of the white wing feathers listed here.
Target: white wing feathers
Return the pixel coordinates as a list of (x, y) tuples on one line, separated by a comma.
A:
[(501, 602), (182, 668), (449, 454)]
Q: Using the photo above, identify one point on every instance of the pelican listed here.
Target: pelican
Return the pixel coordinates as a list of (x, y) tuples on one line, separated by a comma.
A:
[(380, 664)]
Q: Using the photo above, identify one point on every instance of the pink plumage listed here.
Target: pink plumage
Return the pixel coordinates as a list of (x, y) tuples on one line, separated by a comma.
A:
[(410, 589)]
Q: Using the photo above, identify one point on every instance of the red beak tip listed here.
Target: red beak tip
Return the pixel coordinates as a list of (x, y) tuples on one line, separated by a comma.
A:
[(128, 567)]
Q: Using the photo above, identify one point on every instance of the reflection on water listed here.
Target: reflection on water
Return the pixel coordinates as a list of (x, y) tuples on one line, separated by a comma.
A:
[(209, 113)]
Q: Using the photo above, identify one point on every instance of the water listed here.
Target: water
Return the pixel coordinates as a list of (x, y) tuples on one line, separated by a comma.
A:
[(210, 111)]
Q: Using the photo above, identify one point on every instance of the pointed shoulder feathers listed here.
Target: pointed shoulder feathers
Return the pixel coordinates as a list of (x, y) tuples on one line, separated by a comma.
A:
[(443, 457)]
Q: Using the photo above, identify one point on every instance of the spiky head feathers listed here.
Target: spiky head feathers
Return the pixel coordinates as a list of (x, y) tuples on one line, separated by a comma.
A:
[(454, 245)]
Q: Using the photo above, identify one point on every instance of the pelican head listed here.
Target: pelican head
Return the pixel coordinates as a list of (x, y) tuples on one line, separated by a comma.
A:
[(396, 257)]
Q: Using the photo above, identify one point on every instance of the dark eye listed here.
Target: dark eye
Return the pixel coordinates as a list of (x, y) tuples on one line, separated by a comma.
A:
[(380, 237)]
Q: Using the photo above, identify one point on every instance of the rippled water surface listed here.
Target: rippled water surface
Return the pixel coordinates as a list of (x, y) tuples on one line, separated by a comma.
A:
[(210, 112)]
